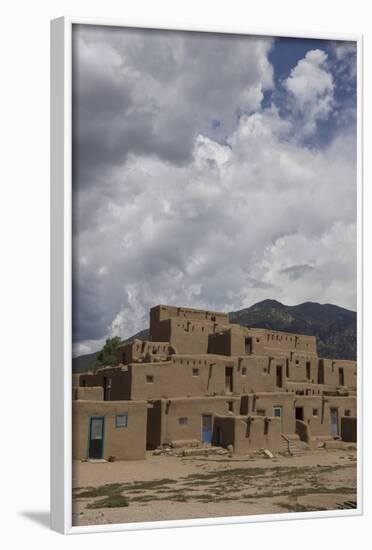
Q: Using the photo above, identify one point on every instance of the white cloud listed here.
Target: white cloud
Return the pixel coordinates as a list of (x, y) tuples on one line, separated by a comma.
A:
[(311, 86)]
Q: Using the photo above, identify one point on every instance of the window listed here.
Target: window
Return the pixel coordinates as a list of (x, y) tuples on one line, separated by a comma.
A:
[(244, 371), (149, 379), (308, 372), (347, 412), (121, 420), (257, 340), (195, 372), (297, 362), (230, 406), (315, 412), (183, 421), (261, 412)]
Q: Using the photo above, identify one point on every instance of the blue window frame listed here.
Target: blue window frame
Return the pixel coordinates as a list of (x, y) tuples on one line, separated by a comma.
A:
[(121, 420)]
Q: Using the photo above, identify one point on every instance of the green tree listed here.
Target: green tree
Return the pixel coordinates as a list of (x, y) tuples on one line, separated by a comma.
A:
[(108, 356)]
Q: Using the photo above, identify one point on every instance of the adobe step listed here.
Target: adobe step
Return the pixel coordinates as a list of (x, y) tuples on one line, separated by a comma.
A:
[(291, 447)]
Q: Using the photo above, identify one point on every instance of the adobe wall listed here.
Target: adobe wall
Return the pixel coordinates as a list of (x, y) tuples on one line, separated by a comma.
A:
[(125, 443), (262, 404), (307, 388), (139, 350), (255, 374), (332, 372), (161, 312), (303, 367), (192, 337), (231, 341), (219, 343), (317, 411), (248, 433), (271, 341), (192, 409), (195, 376), (94, 393), (116, 381), (184, 376)]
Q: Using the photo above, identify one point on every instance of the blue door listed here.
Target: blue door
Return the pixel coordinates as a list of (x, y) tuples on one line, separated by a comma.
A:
[(207, 428), (334, 422)]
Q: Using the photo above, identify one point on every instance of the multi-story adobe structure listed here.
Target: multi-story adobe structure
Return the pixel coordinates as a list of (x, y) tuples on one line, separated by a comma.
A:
[(203, 379)]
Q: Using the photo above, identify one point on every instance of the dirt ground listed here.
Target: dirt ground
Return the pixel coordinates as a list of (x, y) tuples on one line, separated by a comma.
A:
[(171, 487)]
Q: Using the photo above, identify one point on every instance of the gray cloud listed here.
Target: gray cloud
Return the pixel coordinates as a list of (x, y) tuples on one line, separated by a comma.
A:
[(152, 92), (295, 272)]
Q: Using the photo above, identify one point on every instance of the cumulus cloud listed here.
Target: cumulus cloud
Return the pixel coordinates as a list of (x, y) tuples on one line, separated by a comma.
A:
[(311, 87), (235, 211), (152, 92)]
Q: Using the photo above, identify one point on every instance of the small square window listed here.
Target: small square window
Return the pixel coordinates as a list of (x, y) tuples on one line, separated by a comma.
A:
[(315, 412), (297, 362), (183, 421), (121, 420), (257, 340), (347, 412), (230, 406), (244, 371), (149, 379), (195, 372), (261, 412)]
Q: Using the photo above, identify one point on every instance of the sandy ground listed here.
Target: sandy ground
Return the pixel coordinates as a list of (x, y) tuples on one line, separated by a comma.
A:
[(170, 487)]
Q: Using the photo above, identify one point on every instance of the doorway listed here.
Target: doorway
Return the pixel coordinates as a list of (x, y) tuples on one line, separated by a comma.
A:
[(207, 428), (153, 428), (300, 413), (341, 378), (219, 436), (279, 376), (321, 371), (107, 384), (229, 379), (96, 427), (248, 346), (334, 422), (278, 413)]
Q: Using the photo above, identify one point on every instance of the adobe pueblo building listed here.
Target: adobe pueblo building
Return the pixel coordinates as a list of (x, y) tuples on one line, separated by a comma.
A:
[(201, 380)]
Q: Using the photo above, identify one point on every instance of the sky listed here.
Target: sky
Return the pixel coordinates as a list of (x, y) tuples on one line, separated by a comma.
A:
[(209, 171)]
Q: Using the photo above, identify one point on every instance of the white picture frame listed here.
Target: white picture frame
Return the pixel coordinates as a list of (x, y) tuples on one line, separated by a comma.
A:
[(61, 277)]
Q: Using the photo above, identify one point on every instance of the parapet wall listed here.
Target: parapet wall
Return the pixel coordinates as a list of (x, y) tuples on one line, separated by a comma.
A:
[(162, 313)]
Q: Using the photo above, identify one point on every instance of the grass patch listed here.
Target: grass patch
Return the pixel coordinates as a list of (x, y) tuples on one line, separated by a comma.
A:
[(296, 507), (150, 485), (112, 501), (101, 491)]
